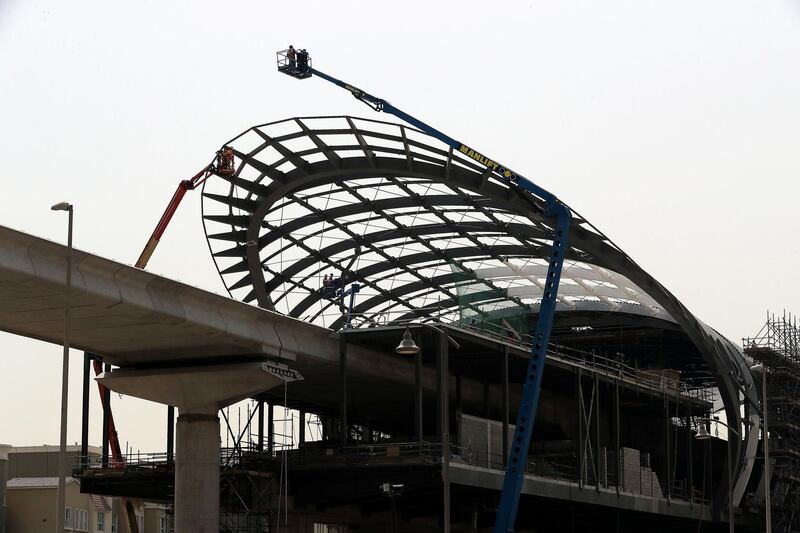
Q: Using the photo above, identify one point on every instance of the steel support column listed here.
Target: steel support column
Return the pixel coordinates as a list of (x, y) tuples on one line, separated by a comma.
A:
[(668, 426), (579, 418), (170, 433), (690, 461), (106, 419), (343, 390), (597, 470), (459, 410), (301, 437), (87, 377), (504, 388), (617, 445), (418, 395), (260, 423), (444, 388), (270, 428)]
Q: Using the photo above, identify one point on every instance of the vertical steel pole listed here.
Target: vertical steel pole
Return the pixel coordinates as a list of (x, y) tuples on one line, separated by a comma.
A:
[(87, 377), (581, 439), (690, 455), (418, 395), (617, 462), (458, 411), (170, 433), (439, 427), (445, 390), (343, 385), (62, 450), (668, 476), (260, 426), (270, 428), (731, 526), (106, 419), (504, 381), (301, 437), (767, 466), (597, 472)]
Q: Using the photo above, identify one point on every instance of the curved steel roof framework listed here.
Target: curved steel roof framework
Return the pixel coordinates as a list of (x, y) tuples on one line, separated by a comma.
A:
[(428, 233)]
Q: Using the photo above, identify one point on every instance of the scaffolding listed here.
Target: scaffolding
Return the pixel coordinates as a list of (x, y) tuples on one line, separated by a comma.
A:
[(777, 347)]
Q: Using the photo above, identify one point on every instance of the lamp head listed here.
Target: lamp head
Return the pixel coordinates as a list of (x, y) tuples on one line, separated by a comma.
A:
[(702, 433), (757, 368), (407, 346), (62, 206)]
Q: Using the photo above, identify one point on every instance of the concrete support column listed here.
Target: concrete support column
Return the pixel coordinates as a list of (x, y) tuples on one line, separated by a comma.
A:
[(198, 393), (196, 471)]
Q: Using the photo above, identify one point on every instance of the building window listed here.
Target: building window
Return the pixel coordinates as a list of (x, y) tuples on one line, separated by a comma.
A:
[(80, 520), (101, 521), (163, 525), (113, 522), (68, 522)]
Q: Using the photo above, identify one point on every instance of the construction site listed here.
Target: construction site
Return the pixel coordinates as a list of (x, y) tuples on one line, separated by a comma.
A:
[(415, 338)]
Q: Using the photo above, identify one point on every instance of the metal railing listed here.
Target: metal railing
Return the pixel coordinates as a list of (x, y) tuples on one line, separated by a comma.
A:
[(632, 479), (650, 379)]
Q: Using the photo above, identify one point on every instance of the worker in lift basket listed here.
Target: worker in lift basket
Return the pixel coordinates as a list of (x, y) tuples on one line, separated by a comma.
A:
[(226, 160), (291, 54), (302, 60)]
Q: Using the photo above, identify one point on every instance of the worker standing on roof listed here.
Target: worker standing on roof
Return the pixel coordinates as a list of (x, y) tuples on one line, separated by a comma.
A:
[(291, 54)]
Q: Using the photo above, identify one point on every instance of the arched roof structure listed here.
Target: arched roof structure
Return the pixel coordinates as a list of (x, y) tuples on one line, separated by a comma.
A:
[(429, 234)]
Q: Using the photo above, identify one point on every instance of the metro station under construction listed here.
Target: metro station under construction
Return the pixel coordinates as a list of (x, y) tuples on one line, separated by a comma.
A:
[(397, 283)]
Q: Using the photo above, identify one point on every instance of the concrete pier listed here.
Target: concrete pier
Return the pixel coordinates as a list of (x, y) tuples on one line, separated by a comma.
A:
[(197, 469), (198, 392)]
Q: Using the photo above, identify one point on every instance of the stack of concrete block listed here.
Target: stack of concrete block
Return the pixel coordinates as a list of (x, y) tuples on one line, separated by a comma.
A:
[(482, 441), (651, 486), (631, 470)]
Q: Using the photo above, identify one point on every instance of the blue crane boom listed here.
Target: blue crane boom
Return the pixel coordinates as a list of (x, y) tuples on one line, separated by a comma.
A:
[(298, 64)]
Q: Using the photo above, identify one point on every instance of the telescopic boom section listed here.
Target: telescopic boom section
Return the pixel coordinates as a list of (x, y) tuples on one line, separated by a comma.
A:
[(223, 164), (161, 227), (297, 63)]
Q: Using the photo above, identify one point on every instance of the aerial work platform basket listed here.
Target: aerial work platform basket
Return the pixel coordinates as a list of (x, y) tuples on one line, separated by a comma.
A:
[(295, 63)]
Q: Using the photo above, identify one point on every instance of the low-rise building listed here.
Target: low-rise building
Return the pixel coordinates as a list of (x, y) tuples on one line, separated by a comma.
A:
[(31, 498)]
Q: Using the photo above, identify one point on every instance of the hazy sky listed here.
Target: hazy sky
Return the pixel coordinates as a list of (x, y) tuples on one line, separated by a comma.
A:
[(673, 126)]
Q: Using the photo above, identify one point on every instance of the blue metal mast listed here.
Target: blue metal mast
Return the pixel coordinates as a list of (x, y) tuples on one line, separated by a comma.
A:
[(554, 209)]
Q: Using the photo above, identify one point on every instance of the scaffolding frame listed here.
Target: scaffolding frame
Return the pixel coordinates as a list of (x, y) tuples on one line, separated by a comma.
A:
[(777, 347)]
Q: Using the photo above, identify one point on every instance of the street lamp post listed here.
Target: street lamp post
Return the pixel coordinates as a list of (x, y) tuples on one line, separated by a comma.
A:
[(702, 434), (767, 496), (62, 449), (444, 339)]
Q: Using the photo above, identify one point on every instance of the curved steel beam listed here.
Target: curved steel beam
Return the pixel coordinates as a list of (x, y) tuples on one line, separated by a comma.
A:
[(290, 166)]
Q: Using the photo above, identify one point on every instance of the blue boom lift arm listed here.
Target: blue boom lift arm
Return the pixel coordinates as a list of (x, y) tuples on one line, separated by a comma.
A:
[(300, 67)]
